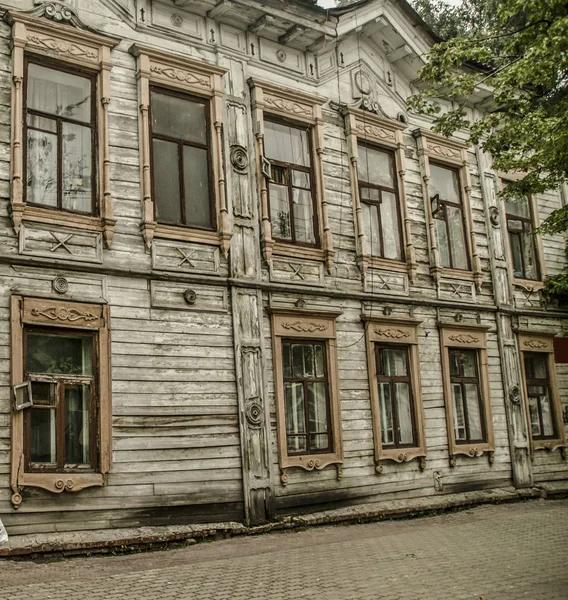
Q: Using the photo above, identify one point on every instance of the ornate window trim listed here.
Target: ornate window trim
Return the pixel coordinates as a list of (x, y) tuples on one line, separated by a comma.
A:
[(403, 332), (473, 337), (449, 153), (309, 325), (527, 284), (74, 46), (543, 342), (298, 107), (63, 315), (384, 134), (197, 78)]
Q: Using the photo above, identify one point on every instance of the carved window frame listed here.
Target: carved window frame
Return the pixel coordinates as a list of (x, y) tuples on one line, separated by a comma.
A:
[(451, 154), (401, 332), (73, 47), (47, 313), (193, 78), (384, 134), (543, 343), (317, 326), (471, 337), (298, 108), (527, 284)]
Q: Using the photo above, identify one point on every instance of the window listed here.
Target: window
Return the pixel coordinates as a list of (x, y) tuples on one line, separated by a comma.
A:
[(522, 239), (181, 121), (60, 428), (306, 390), (60, 124), (447, 211), (395, 396), (379, 202), (394, 381), (62, 438), (544, 409), (180, 159), (466, 390), (306, 397), (60, 161), (466, 397), (289, 152), (291, 187)]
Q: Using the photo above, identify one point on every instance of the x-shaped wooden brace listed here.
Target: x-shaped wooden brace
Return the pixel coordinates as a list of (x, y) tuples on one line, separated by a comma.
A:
[(527, 293), (457, 289), (384, 282), (186, 257), (297, 271), (61, 243)]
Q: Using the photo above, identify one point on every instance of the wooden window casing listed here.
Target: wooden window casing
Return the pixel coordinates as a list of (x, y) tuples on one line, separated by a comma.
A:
[(448, 154), (181, 143), (535, 344), (31, 316), (66, 48), (272, 102), (201, 81), (307, 327), (384, 135), (288, 169), (398, 334), (468, 338)]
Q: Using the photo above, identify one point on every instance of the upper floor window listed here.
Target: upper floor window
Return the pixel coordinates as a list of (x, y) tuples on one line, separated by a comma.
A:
[(539, 396), (447, 212), (291, 189), (379, 202), (522, 242), (466, 396), (181, 167), (60, 125)]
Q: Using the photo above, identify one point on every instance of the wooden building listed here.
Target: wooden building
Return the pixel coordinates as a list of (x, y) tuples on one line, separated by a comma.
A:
[(240, 281)]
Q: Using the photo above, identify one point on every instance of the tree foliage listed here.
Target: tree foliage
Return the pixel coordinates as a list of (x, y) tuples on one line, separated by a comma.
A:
[(522, 61)]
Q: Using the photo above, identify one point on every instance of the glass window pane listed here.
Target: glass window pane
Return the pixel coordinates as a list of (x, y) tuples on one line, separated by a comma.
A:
[(443, 243), (393, 362), (165, 168), (196, 185), (303, 216), (280, 212), (405, 434), (42, 443), (44, 123), (528, 249), (468, 363), (296, 443), (319, 441), (535, 366), (77, 165), (294, 407), (459, 419), (546, 411), (287, 360), (301, 179), (77, 424), (473, 411), (178, 118), (57, 354), (317, 407), (518, 208), (319, 359), (286, 144), (445, 183), (368, 193), (375, 166), (44, 394), (59, 93), (391, 227), (371, 229), (517, 253), (535, 420), (457, 237), (385, 403), (41, 183)]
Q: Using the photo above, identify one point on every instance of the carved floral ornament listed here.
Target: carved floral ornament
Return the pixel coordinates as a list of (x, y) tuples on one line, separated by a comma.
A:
[(464, 338), (180, 75), (288, 106), (392, 333), (443, 151), (535, 344), (70, 315), (62, 46), (303, 326), (374, 131)]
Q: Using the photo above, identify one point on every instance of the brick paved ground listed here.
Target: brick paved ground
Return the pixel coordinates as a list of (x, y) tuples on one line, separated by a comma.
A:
[(506, 552)]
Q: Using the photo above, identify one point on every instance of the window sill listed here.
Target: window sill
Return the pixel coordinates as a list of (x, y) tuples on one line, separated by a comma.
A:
[(549, 445), (293, 251), (186, 234), (58, 482), (532, 285), (457, 274), (471, 450), (385, 264), (60, 217), (400, 455), (310, 462)]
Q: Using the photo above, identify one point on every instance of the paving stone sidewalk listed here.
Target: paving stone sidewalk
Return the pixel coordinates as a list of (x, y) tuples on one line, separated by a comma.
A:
[(505, 552)]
